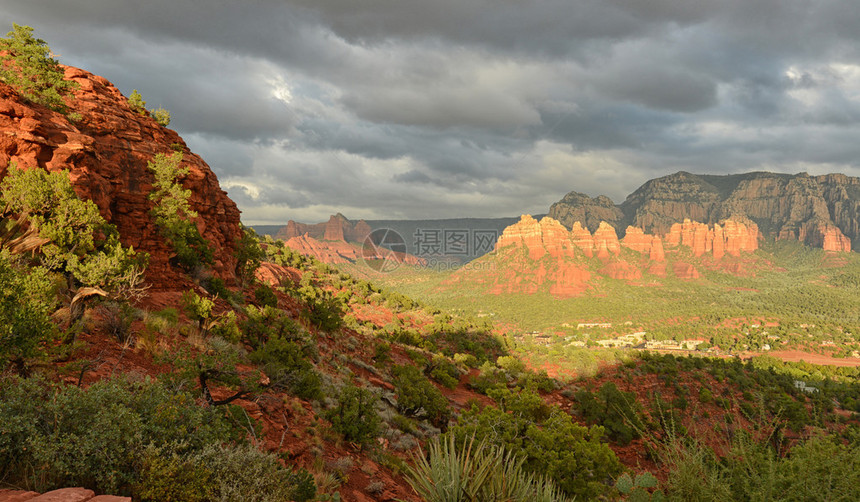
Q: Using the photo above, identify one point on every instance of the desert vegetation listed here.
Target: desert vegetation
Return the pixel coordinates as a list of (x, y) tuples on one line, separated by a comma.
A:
[(28, 66)]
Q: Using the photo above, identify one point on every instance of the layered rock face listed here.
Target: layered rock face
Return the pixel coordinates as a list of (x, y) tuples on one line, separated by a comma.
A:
[(578, 207), (337, 228), (106, 153), (731, 237), (821, 211), (533, 255)]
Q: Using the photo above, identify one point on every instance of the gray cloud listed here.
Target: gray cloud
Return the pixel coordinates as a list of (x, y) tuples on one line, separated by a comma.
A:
[(474, 107)]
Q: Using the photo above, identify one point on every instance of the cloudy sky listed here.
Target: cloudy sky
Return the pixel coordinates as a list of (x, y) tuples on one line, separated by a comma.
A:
[(451, 108)]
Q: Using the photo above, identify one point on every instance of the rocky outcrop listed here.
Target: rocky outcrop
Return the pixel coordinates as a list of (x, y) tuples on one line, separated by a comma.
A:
[(337, 228), (823, 235), (731, 237), (621, 270), (802, 207), (326, 252), (656, 252), (106, 153), (606, 241), (578, 207), (549, 237), (61, 495), (684, 270), (538, 238), (533, 256)]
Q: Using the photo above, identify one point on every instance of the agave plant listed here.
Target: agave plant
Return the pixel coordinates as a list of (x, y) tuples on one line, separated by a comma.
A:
[(476, 473)]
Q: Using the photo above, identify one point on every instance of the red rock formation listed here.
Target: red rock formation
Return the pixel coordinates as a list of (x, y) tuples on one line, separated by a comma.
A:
[(275, 275), (539, 238), (106, 153), (635, 239), (289, 231), (359, 232), (569, 280), (606, 240), (731, 237), (656, 253), (327, 252), (337, 228), (61, 495), (657, 268), (685, 270), (531, 254), (719, 242), (582, 239), (740, 236), (622, 270), (334, 229), (826, 236)]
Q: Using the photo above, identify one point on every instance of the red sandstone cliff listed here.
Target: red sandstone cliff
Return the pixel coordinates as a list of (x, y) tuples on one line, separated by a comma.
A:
[(533, 256), (731, 237), (106, 153), (819, 234), (337, 228)]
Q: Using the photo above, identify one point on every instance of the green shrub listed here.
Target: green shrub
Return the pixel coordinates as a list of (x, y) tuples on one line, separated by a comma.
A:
[(617, 411), (216, 286), (264, 296), (173, 213), (168, 476), (81, 243), (444, 372), (322, 309), (226, 326), (96, 437), (489, 376), (26, 302), (416, 396), (264, 323), (136, 102), (197, 308), (249, 255), (355, 415), (117, 318), (574, 457), (30, 69), (225, 473), (382, 353), (286, 357), (161, 116)]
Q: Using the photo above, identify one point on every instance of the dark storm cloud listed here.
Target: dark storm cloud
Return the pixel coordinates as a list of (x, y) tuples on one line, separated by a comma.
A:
[(474, 107)]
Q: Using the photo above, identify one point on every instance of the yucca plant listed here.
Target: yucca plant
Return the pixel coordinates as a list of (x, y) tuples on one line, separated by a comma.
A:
[(475, 473)]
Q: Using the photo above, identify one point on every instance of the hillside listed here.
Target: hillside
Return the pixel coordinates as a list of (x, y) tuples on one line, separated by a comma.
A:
[(106, 152), (821, 211)]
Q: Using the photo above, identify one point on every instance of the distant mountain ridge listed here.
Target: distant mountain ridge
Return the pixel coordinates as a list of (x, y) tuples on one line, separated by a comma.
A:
[(455, 239), (820, 211)]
